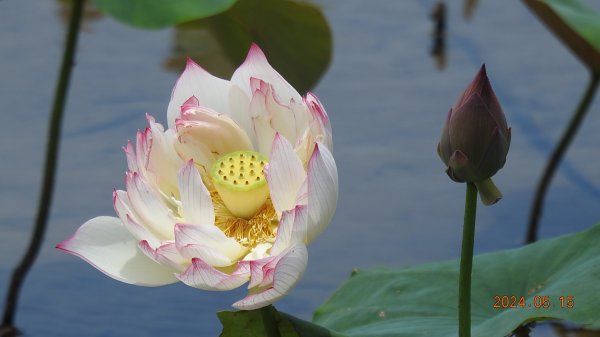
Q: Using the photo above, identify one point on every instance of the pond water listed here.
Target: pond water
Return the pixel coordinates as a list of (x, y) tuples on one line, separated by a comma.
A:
[(387, 102)]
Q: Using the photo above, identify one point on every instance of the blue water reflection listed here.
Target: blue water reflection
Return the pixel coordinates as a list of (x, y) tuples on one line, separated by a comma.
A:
[(387, 103)]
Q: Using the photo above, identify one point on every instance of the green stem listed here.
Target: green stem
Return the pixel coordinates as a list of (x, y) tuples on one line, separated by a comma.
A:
[(466, 262), (21, 270), (556, 157), (269, 322)]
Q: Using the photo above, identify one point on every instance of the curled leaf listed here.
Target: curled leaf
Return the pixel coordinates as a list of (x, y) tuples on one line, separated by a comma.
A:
[(577, 25)]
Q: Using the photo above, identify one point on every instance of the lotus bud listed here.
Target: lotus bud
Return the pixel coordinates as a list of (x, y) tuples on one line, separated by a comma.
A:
[(476, 138)]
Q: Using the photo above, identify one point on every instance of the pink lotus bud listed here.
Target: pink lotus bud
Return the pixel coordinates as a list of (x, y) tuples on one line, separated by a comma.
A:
[(476, 138)]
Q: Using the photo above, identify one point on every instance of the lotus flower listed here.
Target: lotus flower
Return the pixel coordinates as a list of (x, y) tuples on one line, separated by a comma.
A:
[(476, 138), (231, 192)]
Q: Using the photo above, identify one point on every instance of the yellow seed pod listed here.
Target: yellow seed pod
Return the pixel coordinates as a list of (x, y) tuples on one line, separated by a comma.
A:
[(239, 179)]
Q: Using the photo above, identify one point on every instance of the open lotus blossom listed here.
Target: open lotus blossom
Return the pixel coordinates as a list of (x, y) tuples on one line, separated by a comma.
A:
[(231, 192)]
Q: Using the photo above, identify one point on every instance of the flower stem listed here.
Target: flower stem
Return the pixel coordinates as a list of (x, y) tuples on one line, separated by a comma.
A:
[(556, 157), (269, 322), (466, 262), (21, 270)]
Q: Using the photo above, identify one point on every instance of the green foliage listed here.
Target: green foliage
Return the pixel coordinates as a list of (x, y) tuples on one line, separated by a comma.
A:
[(423, 300), (577, 25), (250, 324), (161, 13), (294, 35)]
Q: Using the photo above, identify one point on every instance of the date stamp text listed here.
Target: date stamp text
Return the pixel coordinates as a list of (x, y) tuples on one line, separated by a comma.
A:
[(537, 302)]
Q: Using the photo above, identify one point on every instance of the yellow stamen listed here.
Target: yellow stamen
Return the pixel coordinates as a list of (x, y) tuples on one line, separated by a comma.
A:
[(260, 228)]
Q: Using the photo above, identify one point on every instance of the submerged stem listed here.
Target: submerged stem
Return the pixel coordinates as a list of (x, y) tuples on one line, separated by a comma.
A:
[(466, 262), (556, 157), (21, 270)]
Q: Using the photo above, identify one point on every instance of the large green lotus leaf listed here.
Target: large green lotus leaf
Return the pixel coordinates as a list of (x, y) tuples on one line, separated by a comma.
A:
[(422, 300), (250, 324), (294, 35), (577, 25), (161, 13)]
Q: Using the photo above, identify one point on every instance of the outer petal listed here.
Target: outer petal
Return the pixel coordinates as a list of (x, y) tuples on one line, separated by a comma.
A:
[(302, 197), (472, 121), (142, 147), (166, 254), (282, 117), (257, 66), (201, 275), (320, 126), (285, 276), (163, 161), (210, 91), (149, 207), (104, 243), (208, 243), (207, 254), (128, 218), (259, 270), (261, 120), (322, 189), (460, 168), (258, 103), (293, 229), (444, 148), (131, 157), (195, 199), (240, 111), (285, 174)]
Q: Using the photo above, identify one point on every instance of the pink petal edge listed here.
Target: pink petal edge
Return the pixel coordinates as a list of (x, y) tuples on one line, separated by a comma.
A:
[(286, 274), (201, 275)]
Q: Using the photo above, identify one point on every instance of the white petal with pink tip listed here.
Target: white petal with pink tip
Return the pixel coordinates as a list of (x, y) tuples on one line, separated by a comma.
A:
[(202, 275), (219, 133), (322, 189), (240, 111), (166, 254), (124, 210), (319, 125), (287, 272), (105, 244), (257, 66), (150, 207), (209, 238), (210, 91), (285, 175), (195, 199), (293, 229)]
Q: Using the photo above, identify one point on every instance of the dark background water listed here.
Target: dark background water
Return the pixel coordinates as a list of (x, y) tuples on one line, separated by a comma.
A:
[(387, 102)]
